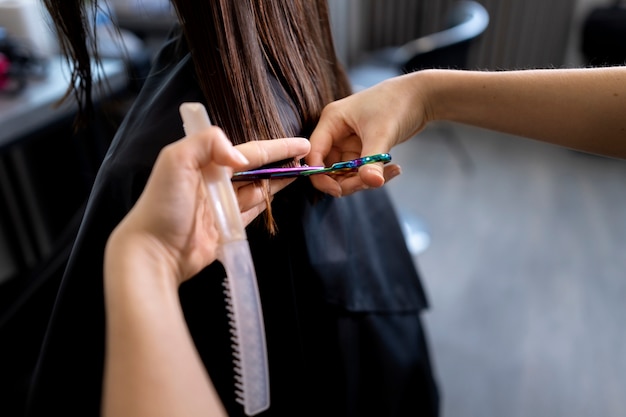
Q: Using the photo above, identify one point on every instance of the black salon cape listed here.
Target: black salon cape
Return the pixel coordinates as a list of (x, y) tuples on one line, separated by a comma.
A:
[(340, 295)]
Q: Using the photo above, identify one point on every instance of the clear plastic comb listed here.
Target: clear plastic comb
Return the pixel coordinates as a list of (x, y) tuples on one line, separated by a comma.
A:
[(244, 305)]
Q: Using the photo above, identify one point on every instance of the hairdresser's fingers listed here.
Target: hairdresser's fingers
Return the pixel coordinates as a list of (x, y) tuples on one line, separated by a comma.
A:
[(263, 152), (371, 175), (376, 140), (332, 130), (250, 194), (354, 183), (346, 149), (208, 146), (179, 166), (259, 153), (326, 184), (252, 213)]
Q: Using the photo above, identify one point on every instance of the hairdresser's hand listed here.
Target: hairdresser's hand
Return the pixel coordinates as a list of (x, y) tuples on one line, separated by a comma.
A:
[(366, 123), (252, 195), (171, 228)]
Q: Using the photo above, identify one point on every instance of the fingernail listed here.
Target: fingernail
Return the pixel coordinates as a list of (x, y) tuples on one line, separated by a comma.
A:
[(394, 174), (335, 193), (239, 157)]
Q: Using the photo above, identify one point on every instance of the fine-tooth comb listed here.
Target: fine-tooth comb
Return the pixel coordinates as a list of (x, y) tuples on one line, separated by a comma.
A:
[(242, 295)]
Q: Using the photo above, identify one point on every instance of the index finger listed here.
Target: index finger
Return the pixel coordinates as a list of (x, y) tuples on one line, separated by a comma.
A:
[(203, 148), (331, 129), (263, 152)]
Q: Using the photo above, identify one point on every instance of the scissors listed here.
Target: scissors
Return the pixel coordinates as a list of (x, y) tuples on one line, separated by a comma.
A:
[(304, 171)]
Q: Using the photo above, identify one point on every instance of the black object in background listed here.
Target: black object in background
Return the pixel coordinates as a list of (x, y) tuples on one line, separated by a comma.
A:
[(604, 35)]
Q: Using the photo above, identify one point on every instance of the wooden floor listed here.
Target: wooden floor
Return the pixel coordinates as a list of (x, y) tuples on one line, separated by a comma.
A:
[(526, 272)]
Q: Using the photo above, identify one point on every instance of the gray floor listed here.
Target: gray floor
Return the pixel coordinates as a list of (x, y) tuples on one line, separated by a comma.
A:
[(526, 272)]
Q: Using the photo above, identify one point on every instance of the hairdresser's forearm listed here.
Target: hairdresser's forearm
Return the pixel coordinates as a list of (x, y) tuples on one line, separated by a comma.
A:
[(152, 367), (584, 109)]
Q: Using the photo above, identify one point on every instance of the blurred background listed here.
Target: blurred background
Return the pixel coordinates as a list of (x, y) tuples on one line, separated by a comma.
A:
[(521, 245)]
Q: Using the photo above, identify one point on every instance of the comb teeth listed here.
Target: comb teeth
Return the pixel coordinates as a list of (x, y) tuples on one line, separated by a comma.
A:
[(235, 347), (243, 310), (232, 324)]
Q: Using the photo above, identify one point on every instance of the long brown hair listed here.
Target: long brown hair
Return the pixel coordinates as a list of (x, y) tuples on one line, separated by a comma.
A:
[(290, 39), (236, 47)]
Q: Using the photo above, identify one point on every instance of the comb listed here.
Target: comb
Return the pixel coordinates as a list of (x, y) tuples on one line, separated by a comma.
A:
[(240, 286)]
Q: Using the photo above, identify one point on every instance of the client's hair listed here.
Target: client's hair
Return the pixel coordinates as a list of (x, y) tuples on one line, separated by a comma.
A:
[(236, 47)]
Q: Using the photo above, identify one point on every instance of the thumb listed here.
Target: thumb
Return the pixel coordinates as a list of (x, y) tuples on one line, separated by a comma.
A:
[(373, 174)]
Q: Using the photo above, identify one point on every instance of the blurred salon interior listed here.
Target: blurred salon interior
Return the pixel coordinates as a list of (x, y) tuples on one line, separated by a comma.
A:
[(521, 244)]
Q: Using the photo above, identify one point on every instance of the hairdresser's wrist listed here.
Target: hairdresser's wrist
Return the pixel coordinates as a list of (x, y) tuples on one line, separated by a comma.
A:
[(431, 90), (411, 96), (138, 259)]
